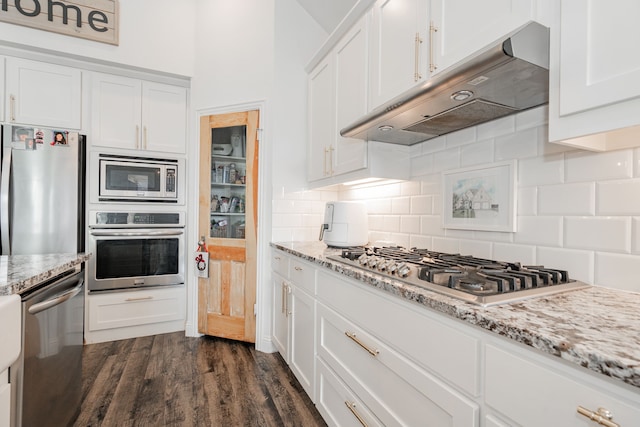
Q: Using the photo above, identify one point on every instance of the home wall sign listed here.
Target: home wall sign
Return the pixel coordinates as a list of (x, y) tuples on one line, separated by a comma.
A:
[(95, 20)]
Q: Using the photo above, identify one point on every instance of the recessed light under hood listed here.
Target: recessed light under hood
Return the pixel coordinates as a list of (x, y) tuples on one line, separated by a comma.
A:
[(504, 78)]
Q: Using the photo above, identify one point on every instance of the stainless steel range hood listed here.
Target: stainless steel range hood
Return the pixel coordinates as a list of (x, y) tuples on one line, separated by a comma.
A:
[(506, 77)]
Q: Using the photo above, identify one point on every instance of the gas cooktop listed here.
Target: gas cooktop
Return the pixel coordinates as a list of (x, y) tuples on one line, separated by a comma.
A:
[(480, 281)]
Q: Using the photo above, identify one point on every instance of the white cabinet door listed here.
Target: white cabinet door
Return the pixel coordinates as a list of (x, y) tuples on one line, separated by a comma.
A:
[(540, 386), (302, 349), (43, 94), (116, 111), (594, 75), (351, 68), (5, 399), (2, 89), (399, 45), (280, 327), (164, 117), (462, 27), (322, 125)]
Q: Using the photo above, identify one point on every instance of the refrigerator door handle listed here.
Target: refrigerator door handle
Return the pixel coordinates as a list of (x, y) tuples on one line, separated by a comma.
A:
[(4, 202)]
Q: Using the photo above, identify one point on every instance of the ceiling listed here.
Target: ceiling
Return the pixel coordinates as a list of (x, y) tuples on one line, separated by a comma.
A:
[(327, 13)]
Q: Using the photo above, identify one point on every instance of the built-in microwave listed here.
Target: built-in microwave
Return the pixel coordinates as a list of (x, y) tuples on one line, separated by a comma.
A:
[(138, 179)]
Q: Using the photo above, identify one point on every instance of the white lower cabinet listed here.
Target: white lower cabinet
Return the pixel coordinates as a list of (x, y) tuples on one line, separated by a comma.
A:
[(5, 399), (302, 344), (396, 390), (532, 391), (338, 405), (121, 315)]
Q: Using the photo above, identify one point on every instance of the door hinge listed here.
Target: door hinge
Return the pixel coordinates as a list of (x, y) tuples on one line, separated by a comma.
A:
[(259, 134)]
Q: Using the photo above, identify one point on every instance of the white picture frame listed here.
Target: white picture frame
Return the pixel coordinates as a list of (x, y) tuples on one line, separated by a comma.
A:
[(480, 197)]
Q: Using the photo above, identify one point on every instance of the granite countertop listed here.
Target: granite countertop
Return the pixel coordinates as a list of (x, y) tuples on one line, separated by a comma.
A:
[(596, 327), (19, 273)]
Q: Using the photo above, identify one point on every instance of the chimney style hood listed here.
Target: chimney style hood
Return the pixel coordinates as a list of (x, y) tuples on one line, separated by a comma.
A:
[(504, 78)]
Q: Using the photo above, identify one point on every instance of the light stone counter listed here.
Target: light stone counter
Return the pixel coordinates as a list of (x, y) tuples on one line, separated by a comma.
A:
[(597, 328), (19, 273)]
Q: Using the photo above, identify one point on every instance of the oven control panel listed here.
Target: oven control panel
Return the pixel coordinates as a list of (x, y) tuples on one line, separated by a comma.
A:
[(132, 219)]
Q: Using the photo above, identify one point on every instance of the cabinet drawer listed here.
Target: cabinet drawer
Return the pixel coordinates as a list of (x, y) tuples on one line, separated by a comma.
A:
[(395, 389), (303, 275), (546, 396), (123, 309), (280, 263), (428, 341), (337, 404)]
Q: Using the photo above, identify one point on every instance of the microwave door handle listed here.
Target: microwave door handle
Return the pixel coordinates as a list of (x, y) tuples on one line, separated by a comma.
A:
[(136, 233)]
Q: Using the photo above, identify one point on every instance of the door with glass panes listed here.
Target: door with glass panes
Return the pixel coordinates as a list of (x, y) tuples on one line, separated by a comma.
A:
[(227, 221)]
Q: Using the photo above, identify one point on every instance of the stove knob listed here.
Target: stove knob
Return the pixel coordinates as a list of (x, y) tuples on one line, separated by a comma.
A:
[(392, 267), (403, 269), (374, 261), (382, 265), (363, 259)]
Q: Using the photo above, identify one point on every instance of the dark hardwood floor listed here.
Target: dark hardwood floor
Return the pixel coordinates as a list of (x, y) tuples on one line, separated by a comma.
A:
[(173, 380)]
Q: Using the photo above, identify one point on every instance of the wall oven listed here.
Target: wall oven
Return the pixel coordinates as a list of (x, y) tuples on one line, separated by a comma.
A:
[(137, 179), (133, 250)]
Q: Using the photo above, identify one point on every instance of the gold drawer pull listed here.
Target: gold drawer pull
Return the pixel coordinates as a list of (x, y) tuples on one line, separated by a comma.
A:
[(298, 268), (352, 335), (352, 408), (139, 299), (277, 258), (601, 416)]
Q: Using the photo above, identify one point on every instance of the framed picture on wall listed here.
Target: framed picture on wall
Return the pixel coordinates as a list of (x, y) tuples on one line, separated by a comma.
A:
[(480, 197)]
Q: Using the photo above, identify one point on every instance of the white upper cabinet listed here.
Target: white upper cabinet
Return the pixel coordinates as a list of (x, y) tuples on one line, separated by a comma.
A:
[(138, 115), (594, 74), (2, 93), (43, 94), (351, 66), (458, 28), (337, 97), (399, 48)]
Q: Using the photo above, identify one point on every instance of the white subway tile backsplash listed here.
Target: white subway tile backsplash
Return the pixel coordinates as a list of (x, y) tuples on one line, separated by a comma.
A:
[(567, 199), (446, 160), (499, 127), (421, 165), (434, 145), (617, 271), (422, 205), (376, 222), (539, 230), (400, 239), (526, 254), (379, 206), (401, 205), (612, 234), (418, 241), (541, 170), (410, 224), (517, 145), (578, 263), (286, 220), (527, 201), (391, 223), (441, 244), (477, 153), (431, 184), (635, 235), (588, 166), (431, 225), (410, 188), (476, 248), (461, 137), (618, 197)]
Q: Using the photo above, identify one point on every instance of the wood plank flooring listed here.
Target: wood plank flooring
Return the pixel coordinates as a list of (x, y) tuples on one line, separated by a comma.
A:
[(173, 380)]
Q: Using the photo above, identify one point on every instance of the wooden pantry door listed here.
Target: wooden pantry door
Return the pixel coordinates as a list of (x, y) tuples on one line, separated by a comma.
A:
[(228, 221)]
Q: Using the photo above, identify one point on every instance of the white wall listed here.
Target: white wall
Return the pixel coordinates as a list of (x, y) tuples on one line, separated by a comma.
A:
[(577, 210), (154, 34)]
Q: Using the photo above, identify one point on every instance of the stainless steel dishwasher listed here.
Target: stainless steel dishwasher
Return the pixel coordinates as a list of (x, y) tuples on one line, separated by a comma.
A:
[(47, 377)]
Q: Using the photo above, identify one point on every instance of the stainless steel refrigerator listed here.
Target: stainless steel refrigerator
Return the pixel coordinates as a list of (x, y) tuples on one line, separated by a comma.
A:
[(42, 204)]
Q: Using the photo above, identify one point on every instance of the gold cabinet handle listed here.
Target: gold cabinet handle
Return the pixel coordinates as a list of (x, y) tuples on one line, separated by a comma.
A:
[(139, 299), (137, 137), (12, 108), (352, 408), (372, 351), (602, 416), (277, 258), (416, 69), (144, 139), (283, 296), (324, 162), (297, 268), (287, 301), (331, 149), (432, 36)]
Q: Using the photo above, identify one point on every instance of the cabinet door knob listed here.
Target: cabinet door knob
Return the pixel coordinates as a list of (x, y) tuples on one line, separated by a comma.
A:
[(602, 416)]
